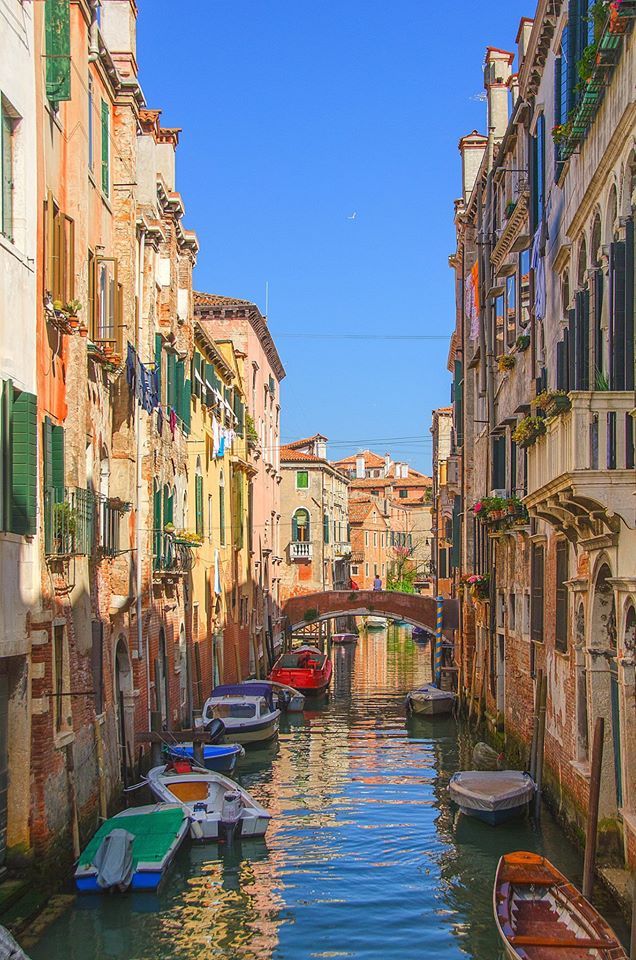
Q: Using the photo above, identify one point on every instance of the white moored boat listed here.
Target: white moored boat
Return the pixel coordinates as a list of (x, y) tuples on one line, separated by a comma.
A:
[(493, 796), (429, 701), (287, 698), (247, 710), (344, 638), (218, 808)]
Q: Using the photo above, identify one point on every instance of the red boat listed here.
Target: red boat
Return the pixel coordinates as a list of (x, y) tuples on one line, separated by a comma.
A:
[(305, 669)]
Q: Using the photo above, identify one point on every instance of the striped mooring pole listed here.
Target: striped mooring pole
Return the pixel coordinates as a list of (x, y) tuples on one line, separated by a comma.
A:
[(438, 641)]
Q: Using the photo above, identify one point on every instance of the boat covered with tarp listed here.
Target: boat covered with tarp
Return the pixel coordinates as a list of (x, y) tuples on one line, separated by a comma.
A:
[(493, 796), (133, 849), (430, 701)]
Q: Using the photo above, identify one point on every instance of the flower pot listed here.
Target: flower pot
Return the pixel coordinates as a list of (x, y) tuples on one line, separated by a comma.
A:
[(83, 331), (73, 322), (557, 405)]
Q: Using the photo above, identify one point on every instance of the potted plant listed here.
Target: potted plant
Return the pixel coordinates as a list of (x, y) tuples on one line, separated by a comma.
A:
[(562, 132), (72, 309), (188, 538), (506, 362), (522, 342), (64, 526), (478, 585), (528, 431), (601, 381), (83, 330), (553, 402)]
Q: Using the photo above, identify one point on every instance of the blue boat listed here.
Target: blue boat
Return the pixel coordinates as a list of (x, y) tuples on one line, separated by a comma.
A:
[(222, 758), (493, 796), (133, 850)]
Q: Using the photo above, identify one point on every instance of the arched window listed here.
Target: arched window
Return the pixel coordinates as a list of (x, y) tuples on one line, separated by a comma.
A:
[(610, 224), (630, 631), (595, 245), (565, 294), (301, 526)]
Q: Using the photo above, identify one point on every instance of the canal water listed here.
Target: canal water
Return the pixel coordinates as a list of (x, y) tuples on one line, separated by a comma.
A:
[(365, 857)]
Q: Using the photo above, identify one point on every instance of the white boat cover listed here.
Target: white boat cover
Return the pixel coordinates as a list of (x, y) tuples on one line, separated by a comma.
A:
[(9, 948), (114, 860), (491, 789), (429, 692)]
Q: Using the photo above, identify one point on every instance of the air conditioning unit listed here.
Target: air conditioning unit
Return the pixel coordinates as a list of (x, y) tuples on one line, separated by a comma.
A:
[(499, 493)]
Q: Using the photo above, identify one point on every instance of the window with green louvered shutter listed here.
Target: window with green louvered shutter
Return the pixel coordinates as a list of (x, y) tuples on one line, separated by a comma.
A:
[(198, 504), (179, 372), (23, 447), (105, 148), (158, 351), (171, 381), (325, 528), (187, 405), (57, 20), (156, 529)]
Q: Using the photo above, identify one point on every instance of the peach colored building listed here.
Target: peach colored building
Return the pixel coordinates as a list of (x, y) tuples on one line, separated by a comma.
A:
[(228, 318)]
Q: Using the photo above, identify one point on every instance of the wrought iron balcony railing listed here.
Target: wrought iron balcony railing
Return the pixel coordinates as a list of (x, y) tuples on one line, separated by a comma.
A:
[(69, 522)]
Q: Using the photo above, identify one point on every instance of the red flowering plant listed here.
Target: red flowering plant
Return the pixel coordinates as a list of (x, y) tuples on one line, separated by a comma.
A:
[(478, 585)]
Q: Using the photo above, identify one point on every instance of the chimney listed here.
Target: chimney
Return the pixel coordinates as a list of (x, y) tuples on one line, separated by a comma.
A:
[(472, 149), (523, 39), (387, 464), (119, 30), (321, 447), (360, 469), (405, 470), (496, 74)]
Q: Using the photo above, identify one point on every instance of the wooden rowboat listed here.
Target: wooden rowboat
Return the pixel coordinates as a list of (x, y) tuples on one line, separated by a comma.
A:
[(540, 915)]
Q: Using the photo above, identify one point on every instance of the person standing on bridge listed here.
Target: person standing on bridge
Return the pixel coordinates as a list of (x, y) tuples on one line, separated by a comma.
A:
[(377, 583)]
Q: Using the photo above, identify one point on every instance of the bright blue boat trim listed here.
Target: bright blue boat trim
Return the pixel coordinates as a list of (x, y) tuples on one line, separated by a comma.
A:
[(142, 880)]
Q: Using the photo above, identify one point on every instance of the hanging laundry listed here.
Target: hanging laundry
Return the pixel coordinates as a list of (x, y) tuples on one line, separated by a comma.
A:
[(222, 445), (154, 388), (172, 420), (217, 574), (159, 420), (471, 301), (216, 437), (131, 365)]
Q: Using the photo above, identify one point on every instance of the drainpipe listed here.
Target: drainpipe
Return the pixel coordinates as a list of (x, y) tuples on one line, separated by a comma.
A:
[(93, 33), (141, 250), (487, 325)]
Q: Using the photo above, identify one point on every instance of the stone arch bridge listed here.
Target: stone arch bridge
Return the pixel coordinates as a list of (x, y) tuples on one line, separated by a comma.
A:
[(308, 608)]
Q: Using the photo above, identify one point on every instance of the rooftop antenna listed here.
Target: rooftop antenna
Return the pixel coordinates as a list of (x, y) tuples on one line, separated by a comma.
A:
[(267, 298)]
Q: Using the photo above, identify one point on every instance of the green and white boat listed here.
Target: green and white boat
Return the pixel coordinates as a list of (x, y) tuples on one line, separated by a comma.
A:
[(133, 849)]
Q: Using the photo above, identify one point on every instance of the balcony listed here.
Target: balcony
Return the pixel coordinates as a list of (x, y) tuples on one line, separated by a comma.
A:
[(581, 475), (170, 557), (110, 511), (299, 550), (69, 522), (341, 549)]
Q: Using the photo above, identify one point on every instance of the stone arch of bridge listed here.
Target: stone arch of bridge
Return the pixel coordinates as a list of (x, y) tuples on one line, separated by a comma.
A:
[(308, 608)]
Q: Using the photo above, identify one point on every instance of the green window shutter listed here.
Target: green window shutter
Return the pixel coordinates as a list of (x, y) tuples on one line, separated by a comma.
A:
[(325, 528), (198, 503), (24, 464), (105, 148), (171, 377), (222, 515), (456, 539), (158, 349), (239, 412), (178, 388), (57, 461), (458, 395), (168, 505), (57, 22), (187, 405), (156, 528), (294, 529)]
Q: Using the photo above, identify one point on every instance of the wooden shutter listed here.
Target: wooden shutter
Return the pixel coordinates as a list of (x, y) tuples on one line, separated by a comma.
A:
[(171, 377), (23, 442), (572, 44), (558, 108), (168, 505), (57, 25), (187, 405), (294, 529), (582, 340), (325, 528), (499, 462), (156, 527), (536, 612), (630, 332), (158, 355), (179, 374), (57, 460), (562, 573), (571, 349), (562, 365), (105, 148), (459, 403), (198, 503), (617, 315), (598, 331), (456, 532)]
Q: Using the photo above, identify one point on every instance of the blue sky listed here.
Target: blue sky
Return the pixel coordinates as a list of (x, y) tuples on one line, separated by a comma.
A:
[(295, 115)]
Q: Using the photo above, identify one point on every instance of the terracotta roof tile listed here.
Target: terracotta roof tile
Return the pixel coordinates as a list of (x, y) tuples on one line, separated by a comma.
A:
[(359, 510), (293, 456), (371, 459), (215, 300), (301, 443)]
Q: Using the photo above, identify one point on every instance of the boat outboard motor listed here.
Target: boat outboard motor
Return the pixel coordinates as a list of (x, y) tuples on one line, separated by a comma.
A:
[(230, 824), (284, 699), (114, 861), (216, 729)]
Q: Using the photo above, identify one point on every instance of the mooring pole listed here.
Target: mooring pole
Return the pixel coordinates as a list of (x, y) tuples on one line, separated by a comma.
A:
[(535, 726), (438, 641), (543, 697), (592, 811)]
